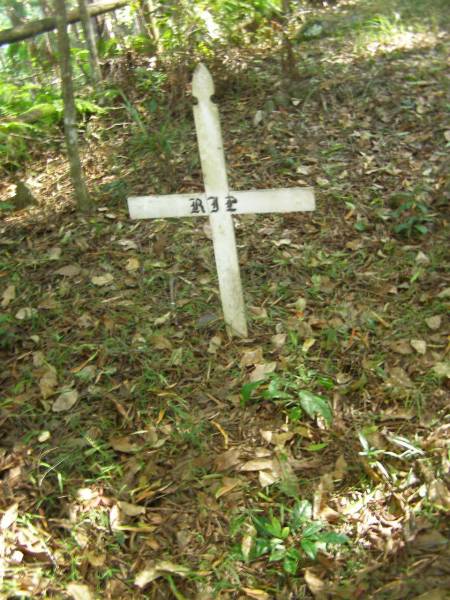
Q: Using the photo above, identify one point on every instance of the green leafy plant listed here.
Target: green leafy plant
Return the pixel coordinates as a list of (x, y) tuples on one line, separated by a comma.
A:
[(290, 536), (413, 217), (7, 333), (286, 390)]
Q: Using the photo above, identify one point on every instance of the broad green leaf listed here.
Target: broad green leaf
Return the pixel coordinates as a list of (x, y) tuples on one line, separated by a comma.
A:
[(291, 560), (331, 537), (314, 405), (247, 391), (316, 447), (278, 551), (312, 529), (309, 548), (273, 392), (301, 512), (260, 547)]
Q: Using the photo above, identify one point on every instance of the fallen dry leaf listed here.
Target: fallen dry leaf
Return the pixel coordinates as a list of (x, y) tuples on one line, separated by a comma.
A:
[(340, 468), (48, 381), (96, 559), (251, 357), (258, 312), (214, 344), (439, 494), (9, 516), (434, 323), (159, 342), (69, 271), (308, 343), (128, 244), (399, 378), (442, 369), (132, 265), (401, 347), (131, 510), (8, 295), (54, 253), (65, 401), (257, 464), (79, 591), (163, 319), (256, 593), (315, 584), (420, 346), (26, 313), (124, 444), (227, 459), (157, 569), (228, 484), (278, 340), (101, 280), (38, 358), (262, 370)]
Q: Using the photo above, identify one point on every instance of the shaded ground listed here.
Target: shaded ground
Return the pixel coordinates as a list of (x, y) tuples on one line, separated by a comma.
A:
[(135, 459)]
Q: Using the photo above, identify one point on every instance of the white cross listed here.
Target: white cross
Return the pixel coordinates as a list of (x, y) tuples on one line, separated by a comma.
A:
[(219, 203)]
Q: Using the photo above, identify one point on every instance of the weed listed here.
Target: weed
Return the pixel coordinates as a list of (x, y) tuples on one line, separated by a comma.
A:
[(289, 537), (290, 393)]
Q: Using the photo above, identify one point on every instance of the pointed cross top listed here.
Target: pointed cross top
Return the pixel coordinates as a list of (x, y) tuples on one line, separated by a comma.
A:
[(202, 83)]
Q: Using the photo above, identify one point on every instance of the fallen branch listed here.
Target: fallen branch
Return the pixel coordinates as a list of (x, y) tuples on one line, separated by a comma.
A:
[(32, 28)]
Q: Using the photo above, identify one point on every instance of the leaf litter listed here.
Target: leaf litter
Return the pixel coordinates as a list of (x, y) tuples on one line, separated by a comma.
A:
[(348, 367)]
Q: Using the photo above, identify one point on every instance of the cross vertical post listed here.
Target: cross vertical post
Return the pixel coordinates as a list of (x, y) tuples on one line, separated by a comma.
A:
[(212, 157)]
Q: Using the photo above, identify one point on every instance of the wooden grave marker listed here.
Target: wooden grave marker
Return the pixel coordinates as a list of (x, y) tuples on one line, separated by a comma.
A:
[(219, 203)]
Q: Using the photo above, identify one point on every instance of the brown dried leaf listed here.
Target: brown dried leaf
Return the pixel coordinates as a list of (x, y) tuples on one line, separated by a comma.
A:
[(262, 370), (131, 510), (434, 323), (8, 295), (101, 280), (54, 253), (48, 381), (96, 559), (152, 572), (315, 584), (214, 344), (228, 484), (399, 378), (69, 271), (124, 444), (256, 593), (132, 265), (401, 347), (420, 346), (227, 459), (258, 464), (340, 468), (251, 357), (159, 342), (439, 494), (79, 591), (65, 401), (25, 313), (278, 340), (9, 516)]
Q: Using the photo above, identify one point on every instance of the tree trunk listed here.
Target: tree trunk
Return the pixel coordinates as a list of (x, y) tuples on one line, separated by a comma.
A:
[(32, 28), (83, 201), (52, 44), (89, 36), (288, 64)]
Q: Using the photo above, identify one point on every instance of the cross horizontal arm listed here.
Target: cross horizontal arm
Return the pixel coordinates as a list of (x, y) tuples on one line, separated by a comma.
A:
[(280, 200)]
